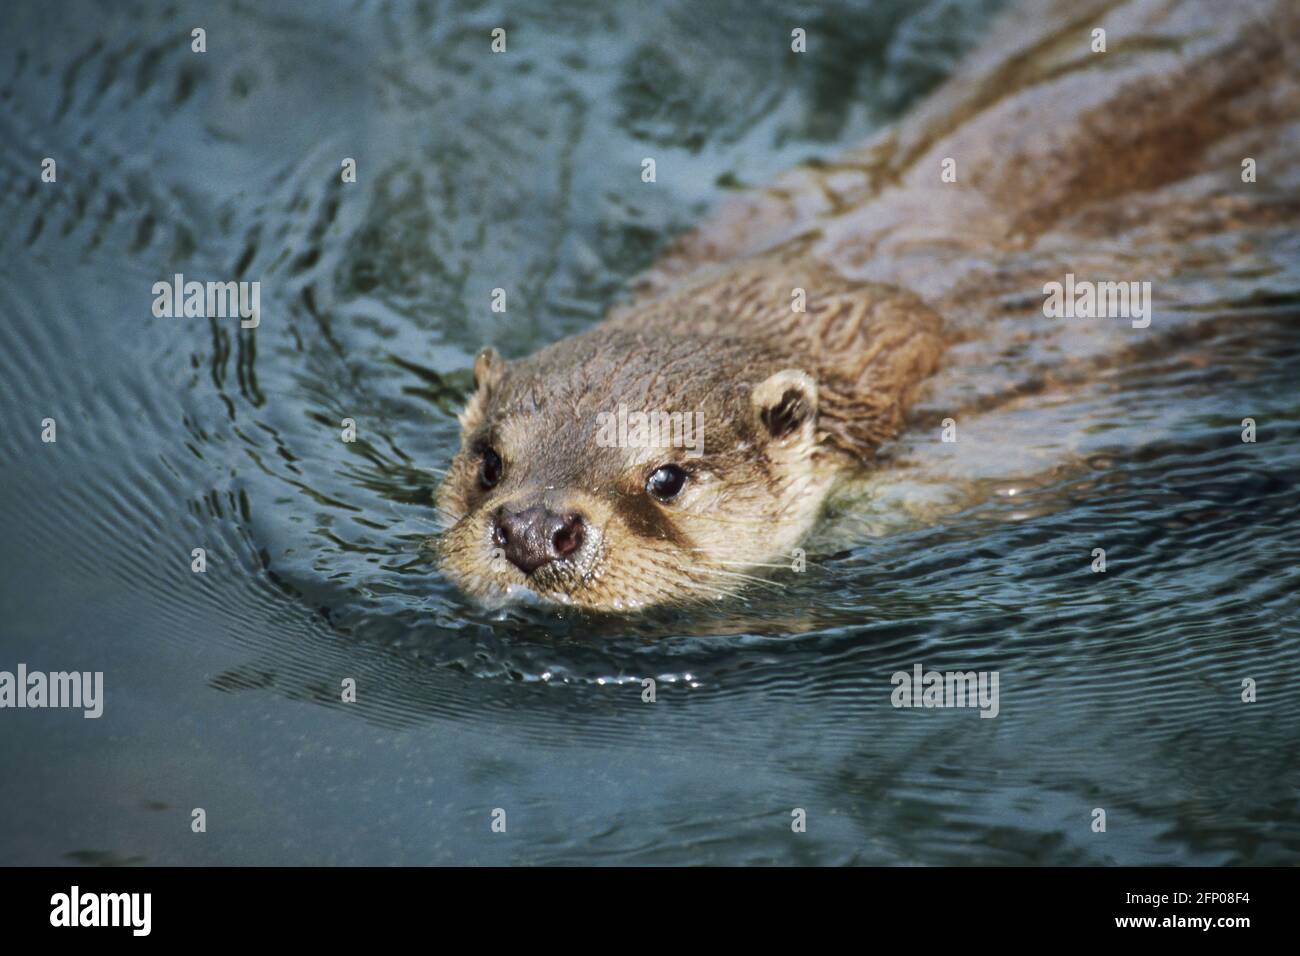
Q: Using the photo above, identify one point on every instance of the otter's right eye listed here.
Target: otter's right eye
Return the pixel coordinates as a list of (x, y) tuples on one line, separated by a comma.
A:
[(666, 482), (489, 469)]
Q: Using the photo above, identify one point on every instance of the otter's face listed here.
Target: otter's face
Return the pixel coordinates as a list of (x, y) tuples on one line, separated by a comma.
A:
[(548, 496)]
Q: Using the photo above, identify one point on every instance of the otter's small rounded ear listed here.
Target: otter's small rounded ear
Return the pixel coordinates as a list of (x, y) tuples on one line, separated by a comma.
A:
[(489, 370), (786, 403), (489, 367)]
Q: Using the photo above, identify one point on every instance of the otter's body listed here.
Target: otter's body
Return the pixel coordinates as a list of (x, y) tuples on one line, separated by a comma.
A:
[(802, 323)]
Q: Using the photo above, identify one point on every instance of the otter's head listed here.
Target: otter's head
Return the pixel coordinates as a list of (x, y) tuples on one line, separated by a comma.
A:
[(561, 488)]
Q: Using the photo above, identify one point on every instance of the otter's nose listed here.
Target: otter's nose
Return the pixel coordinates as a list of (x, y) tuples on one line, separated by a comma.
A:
[(536, 535)]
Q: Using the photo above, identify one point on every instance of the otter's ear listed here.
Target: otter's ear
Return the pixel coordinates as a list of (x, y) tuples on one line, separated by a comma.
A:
[(786, 404), (489, 367), (489, 370)]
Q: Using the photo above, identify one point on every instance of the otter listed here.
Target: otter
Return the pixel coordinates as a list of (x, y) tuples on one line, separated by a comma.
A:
[(803, 321), (787, 400)]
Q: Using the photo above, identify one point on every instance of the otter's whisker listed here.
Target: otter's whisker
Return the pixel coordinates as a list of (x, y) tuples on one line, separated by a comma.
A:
[(746, 578)]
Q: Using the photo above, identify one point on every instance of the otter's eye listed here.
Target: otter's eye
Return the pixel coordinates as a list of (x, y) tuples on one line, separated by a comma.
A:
[(489, 469), (666, 482)]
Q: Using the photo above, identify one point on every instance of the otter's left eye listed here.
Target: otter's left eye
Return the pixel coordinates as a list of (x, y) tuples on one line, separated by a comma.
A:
[(666, 482), (489, 469)]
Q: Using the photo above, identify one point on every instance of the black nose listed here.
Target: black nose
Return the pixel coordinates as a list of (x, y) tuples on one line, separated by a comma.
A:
[(536, 535)]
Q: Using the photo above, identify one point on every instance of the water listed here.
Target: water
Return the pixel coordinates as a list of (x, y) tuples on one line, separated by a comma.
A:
[(1119, 691)]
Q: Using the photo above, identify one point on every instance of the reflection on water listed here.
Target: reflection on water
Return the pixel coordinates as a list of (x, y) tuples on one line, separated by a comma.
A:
[(521, 172)]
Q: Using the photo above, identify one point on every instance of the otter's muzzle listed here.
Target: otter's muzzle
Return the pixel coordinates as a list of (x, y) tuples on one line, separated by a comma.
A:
[(536, 535)]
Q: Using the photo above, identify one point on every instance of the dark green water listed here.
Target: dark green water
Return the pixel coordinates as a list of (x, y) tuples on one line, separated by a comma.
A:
[(521, 171)]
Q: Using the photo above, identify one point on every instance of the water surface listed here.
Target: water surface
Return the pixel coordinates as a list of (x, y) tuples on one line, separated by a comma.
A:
[(521, 172)]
